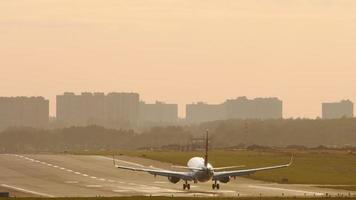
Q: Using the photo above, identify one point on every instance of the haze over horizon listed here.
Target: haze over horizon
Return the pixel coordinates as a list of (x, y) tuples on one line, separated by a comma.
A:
[(301, 51)]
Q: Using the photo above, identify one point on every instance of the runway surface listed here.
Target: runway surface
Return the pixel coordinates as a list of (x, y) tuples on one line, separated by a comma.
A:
[(88, 176)]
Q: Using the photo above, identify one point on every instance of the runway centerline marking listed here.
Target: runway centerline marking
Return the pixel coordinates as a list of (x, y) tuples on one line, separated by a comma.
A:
[(93, 186), (78, 173), (72, 182), (121, 191), (27, 191), (160, 182)]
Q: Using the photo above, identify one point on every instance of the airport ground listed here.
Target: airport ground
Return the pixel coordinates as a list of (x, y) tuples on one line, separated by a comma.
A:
[(182, 198), (323, 167), (64, 175)]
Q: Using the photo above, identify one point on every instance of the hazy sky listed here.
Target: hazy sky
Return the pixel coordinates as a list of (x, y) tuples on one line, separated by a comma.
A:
[(182, 51)]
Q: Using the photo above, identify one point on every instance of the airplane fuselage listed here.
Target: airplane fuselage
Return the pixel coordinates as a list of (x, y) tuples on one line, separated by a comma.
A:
[(201, 175)]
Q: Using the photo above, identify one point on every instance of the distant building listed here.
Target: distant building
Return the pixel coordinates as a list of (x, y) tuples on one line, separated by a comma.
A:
[(202, 112), (24, 112), (239, 108), (114, 110), (159, 112), (258, 108), (337, 110)]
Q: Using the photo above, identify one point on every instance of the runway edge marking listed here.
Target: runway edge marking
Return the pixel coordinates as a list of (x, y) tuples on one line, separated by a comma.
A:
[(285, 189), (27, 191)]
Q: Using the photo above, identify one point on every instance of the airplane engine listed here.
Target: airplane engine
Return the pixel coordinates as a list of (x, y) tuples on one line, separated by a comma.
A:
[(225, 179), (173, 179)]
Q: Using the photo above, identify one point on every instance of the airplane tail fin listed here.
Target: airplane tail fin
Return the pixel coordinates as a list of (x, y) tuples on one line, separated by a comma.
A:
[(206, 148)]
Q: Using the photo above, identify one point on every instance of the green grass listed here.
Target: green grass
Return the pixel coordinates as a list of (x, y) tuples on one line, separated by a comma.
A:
[(308, 168), (341, 187), (331, 168)]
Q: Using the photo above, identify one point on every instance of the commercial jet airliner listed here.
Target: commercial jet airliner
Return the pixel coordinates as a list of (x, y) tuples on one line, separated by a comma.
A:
[(200, 170)]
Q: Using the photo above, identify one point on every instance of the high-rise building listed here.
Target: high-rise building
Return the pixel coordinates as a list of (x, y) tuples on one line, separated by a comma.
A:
[(114, 110), (24, 112), (159, 112), (336, 110), (239, 108), (258, 108), (201, 112), (123, 109)]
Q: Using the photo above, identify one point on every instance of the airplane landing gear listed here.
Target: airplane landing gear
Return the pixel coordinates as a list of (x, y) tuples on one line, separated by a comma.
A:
[(186, 185), (215, 185)]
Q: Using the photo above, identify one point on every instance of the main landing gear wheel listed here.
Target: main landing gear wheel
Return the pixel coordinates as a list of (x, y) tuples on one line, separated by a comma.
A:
[(186, 185), (216, 185)]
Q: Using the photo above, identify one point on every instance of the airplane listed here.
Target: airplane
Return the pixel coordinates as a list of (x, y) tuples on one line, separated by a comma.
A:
[(200, 170)]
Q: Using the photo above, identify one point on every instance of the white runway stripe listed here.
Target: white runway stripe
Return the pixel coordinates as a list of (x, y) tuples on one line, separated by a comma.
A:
[(161, 182), (68, 170), (27, 191), (134, 186), (93, 186), (286, 190), (72, 182), (119, 191)]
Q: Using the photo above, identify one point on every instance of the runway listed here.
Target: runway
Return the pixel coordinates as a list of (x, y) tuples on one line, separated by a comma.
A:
[(90, 176)]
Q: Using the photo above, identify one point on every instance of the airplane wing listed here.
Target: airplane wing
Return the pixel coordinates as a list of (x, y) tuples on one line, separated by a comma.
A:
[(228, 167), (189, 168), (161, 172), (219, 175)]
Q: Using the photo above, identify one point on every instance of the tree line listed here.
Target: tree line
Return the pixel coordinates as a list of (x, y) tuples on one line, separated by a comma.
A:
[(223, 134)]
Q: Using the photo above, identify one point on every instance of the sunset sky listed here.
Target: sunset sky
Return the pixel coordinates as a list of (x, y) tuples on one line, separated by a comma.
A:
[(182, 51)]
